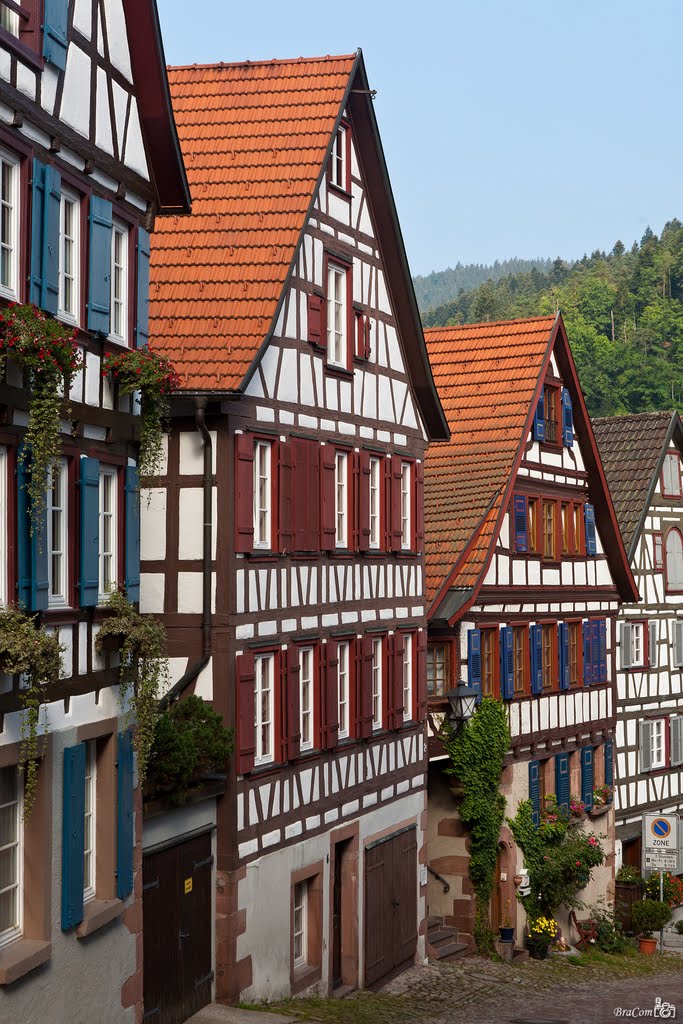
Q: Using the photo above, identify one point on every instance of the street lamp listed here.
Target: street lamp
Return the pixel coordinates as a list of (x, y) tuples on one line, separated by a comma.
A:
[(463, 701)]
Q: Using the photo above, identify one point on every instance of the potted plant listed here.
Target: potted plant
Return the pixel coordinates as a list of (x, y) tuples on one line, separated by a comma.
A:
[(649, 916), (506, 930), (542, 931)]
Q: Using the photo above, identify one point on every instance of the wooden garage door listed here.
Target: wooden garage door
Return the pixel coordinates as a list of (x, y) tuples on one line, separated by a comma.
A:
[(390, 904), (176, 902)]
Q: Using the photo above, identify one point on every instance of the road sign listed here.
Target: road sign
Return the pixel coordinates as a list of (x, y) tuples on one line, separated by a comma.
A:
[(656, 860), (660, 833)]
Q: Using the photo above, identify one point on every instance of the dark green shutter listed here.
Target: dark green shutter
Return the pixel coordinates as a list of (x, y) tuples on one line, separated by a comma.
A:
[(562, 781), (32, 557), (507, 664), (539, 421), (132, 526), (37, 230), (587, 776), (125, 835), (587, 654), (55, 22), (563, 652), (474, 659), (73, 835), (535, 791), (142, 318), (99, 285), (45, 208), (609, 763), (567, 419), (90, 534), (589, 520)]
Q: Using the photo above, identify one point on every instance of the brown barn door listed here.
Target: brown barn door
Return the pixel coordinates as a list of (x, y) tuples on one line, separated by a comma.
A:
[(390, 904), (176, 900)]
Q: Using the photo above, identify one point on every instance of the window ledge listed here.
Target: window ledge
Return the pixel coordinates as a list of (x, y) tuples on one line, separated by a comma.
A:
[(97, 913), (22, 956), (339, 191), (304, 976), (332, 370)]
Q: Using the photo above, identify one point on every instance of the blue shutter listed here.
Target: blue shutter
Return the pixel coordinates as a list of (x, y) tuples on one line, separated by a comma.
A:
[(539, 421), (602, 650), (536, 651), (142, 318), (37, 232), (474, 660), (595, 650), (45, 205), (609, 763), (589, 519), (587, 655), (507, 663), (73, 835), (535, 791), (587, 776), (520, 519), (99, 295), (562, 781), (563, 648), (32, 558), (567, 419), (90, 532), (125, 835), (132, 526), (55, 20)]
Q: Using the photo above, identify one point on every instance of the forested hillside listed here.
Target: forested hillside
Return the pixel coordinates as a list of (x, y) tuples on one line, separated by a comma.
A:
[(623, 312), (440, 286)]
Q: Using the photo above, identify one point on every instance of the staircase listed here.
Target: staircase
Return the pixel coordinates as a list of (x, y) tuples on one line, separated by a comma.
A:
[(442, 941)]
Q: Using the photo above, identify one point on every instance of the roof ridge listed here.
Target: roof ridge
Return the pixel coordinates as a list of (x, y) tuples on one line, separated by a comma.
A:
[(620, 417), (214, 65), (548, 317)]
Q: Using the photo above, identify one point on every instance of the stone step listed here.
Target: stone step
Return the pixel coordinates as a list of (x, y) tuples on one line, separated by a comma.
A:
[(451, 951), (434, 921), (438, 936)]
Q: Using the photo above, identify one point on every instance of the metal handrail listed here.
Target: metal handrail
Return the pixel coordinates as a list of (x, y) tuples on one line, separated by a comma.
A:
[(440, 878)]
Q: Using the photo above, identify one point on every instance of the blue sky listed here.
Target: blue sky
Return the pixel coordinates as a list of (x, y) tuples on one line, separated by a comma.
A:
[(533, 128)]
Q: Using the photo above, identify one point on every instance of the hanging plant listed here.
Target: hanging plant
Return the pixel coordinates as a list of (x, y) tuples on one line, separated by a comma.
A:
[(141, 641), (47, 350), (153, 376), (36, 656)]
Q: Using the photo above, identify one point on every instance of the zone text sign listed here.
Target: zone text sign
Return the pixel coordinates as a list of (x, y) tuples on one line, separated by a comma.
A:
[(660, 833)]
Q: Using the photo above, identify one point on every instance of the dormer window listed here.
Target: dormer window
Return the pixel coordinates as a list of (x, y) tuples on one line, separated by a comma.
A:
[(339, 167)]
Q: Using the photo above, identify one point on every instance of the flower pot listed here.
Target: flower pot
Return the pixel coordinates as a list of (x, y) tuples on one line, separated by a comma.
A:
[(647, 946), (538, 950), (506, 934)]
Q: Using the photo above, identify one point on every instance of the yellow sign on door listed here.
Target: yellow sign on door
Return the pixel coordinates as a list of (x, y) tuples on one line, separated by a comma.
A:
[(188, 885)]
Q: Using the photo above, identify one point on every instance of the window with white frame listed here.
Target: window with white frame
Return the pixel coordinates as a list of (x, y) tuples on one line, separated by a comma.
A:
[(437, 669), (406, 525), (69, 256), (633, 644), (671, 475), (3, 527), (652, 744), (9, 224), (11, 854), (263, 494), (306, 696), (343, 687), (338, 159), (264, 733), (108, 527), (377, 647), (300, 924), (119, 281), (9, 20), (375, 502), (341, 499), (337, 318), (674, 560), (407, 677), (57, 532), (89, 878)]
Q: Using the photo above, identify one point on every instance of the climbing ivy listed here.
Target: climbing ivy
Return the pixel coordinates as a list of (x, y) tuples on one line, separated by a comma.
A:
[(477, 755)]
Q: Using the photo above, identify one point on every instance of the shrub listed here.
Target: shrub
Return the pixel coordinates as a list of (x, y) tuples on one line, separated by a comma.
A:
[(649, 916), (190, 741), (627, 873), (679, 927), (611, 938), (672, 888)]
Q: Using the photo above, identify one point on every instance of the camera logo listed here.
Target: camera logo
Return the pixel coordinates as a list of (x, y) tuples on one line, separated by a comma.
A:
[(660, 1011)]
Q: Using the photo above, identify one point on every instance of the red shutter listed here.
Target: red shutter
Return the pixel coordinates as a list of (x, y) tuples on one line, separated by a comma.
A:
[(244, 492), (363, 501), (244, 674), (388, 716), (356, 682), (331, 696), (317, 328), (395, 499), (285, 496), (419, 517), (385, 473), (355, 524), (421, 686), (366, 337), (327, 504), (398, 649), (366, 687), (291, 694)]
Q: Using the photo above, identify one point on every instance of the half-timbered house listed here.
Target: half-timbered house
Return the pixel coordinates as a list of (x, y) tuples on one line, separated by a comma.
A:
[(297, 440), (525, 571), (642, 459), (88, 157)]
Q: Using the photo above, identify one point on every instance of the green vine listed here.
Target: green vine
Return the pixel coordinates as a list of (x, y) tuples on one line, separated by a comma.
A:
[(45, 348), (141, 641), (153, 376), (477, 756), (28, 651)]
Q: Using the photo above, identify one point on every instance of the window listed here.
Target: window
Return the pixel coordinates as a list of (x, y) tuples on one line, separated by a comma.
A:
[(566, 527), (377, 649), (89, 854), (488, 661), (107, 531), (11, 855), (574, 641), (119, 282), (306, 899), (306, 696), (341, 501), (405, 506), (551, 397), (407, 677), (548, 655), (69, 256), (343, 687), (264, 739), (532, 516), (438, 670), (375, 502), (300, 944), (339, 168), (674, 560), (658, 551), (652, 745), (9, 20), (519, 658), (262, 494), (549, 540), (57, 513), (578, 533), (633, 644), (671, 475), (9, 225), (337, 318)]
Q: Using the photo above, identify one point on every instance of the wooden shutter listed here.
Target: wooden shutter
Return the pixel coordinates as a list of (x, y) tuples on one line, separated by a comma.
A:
[(245, 680), (132, 524), (244, 493), (602, 650), (367, 333), (536, 657), (366, 687), (589, 520), (355, 687), (45, 210), (539, 421), (646, 746), (90, 532), (396, 683), (567, 419), (364, 501), (419, 509), (652, 643), (55, 22), (328, 526), (587, 654), (32, 555), (37, 231), (474, 660), (142, 304), (608, 750), (73, 835), (626, 644), (305, 494), (678, 643), (521, 524), (587, 776), (355, 526), (595, 649), (563, 654), (385, 473), (292, 700), (317, 328), (330, 693), (285, 523), (421, 675), (562, 781), (535, 792), (125, 833), (658, 551), (396, 532), (99, 277), (507, 664), (676, 730)]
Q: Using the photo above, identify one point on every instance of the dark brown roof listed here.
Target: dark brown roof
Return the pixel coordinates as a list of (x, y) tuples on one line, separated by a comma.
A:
[(631, 450)]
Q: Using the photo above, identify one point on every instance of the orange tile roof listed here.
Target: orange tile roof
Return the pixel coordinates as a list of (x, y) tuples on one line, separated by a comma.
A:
[(254, 137), (486, 376)]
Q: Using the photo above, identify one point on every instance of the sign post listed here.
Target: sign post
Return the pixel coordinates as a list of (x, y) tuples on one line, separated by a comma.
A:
[(660, 850)]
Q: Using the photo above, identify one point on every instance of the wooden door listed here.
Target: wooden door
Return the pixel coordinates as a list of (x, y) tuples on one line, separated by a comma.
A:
[(176, 900), (390, 904)]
